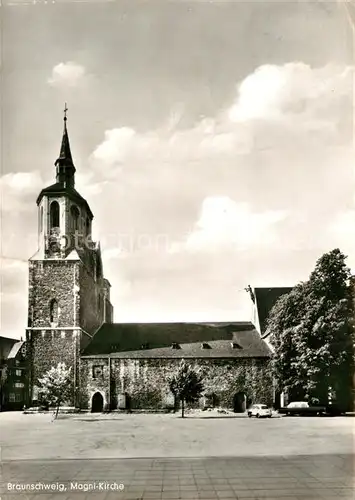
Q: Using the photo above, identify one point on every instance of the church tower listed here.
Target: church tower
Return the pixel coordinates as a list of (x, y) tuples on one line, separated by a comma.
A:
[(69, 298)]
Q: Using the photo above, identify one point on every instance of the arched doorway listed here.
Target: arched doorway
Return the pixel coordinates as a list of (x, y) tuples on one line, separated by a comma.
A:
[(97, 403), (239, 402)]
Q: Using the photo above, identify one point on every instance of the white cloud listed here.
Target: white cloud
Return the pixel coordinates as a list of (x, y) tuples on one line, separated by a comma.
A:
[(115, 146), (67, 74), (295, 88), (17, 190), (293, 103), (280, 148), (88, 185), (224, 222)]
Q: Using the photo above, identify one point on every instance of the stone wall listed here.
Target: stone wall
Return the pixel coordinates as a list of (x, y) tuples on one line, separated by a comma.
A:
[(145, 381), (51, 279), (47, 348), (91, 301)]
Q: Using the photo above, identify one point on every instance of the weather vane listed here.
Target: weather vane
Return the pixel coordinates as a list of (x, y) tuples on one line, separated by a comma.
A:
[(65, 111)]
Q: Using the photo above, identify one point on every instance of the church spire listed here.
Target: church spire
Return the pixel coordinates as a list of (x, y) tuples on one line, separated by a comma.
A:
[(64, 164)]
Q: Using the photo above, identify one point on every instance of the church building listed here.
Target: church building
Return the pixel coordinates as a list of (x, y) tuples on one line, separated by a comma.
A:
[(118, 366)]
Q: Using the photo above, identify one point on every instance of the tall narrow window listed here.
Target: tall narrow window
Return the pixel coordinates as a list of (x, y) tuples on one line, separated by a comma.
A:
[(41, 220), (87, 225), (53, 311), (54, 214), (75, 214)]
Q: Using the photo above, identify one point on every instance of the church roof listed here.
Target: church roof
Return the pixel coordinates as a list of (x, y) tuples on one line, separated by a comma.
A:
[(177, 340), (65, 152), (265, 299), (59, 188)]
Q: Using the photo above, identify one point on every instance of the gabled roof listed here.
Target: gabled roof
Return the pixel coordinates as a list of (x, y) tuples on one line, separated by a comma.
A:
[(6, 345), (156, 340), (15, 350), (265, 299)]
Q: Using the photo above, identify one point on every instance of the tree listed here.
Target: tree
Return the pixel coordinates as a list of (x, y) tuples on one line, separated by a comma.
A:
[(312, 331), (56, 386), (186, 385)]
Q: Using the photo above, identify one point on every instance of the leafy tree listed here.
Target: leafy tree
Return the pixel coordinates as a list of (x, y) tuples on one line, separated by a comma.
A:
[(186, 385), (56, 386), (312, 331)]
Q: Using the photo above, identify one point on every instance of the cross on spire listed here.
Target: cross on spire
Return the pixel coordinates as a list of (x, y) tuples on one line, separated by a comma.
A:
[(65, 111)]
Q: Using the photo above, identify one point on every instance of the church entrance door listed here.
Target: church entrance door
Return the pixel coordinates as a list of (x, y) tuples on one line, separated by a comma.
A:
[(97, 403), (239, 402)]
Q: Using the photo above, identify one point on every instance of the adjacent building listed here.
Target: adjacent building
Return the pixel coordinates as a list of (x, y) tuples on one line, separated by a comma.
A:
[(13, 374)]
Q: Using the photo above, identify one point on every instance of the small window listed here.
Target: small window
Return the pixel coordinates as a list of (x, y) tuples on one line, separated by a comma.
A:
[(204, 345), (97, 371), (19, 385), (18, 373), (53, 311), (54, 214), (12, 397), (235, 345), (145, 346), (18, 398), (175, 345)]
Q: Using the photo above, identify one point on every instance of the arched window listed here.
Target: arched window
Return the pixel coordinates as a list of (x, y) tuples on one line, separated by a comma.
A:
[(54, 214), (41, 220), (53, 311), (75, 214)]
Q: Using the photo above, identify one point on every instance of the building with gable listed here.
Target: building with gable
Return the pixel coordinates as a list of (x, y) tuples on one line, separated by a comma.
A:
[(115, 365), (13, 374)]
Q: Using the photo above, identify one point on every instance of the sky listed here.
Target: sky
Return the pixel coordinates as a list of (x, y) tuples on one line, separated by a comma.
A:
[(213, 142)]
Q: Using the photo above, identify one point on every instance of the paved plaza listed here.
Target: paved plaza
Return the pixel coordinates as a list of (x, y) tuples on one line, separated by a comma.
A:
[(131, 457), (316, 477)]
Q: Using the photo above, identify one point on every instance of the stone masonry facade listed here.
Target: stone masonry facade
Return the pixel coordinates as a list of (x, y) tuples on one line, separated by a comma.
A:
[(145, 381)]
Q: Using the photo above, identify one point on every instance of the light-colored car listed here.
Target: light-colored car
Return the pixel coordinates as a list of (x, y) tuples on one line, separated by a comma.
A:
[(298, 404), (259, 411)]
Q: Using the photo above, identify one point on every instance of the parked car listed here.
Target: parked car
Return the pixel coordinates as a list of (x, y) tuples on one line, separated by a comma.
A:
[(259, 411), (302, 408)]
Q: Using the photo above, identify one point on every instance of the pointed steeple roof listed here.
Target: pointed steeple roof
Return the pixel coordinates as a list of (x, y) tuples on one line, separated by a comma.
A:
[(65, 174), (65, 156)]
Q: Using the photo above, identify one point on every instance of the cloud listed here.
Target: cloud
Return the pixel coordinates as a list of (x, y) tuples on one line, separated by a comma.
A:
[(258, 184), (68, 74), (223, 222), (272, 92), (115, 146), (189, 216), (275, 107), (18, 189)]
